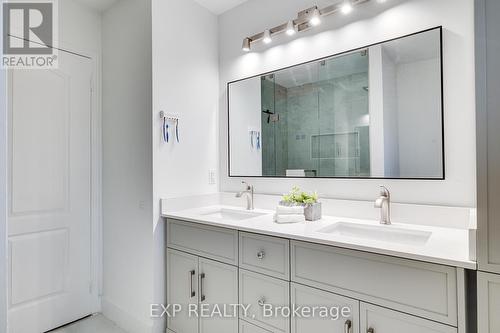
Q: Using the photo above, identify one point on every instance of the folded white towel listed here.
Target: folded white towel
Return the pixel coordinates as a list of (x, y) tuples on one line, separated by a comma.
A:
[(289, 210), (295, 173), (293, 218)]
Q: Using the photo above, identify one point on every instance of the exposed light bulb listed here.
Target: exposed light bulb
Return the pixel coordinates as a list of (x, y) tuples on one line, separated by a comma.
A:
[(246, 45), (267, 37), (315, 19), (290, 28), (346, 7)]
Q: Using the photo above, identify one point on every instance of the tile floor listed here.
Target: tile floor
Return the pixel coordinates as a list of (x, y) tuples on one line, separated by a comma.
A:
[(94, 324)]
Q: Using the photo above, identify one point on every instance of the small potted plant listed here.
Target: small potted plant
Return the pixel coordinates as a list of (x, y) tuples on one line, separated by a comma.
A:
[(297, 197)]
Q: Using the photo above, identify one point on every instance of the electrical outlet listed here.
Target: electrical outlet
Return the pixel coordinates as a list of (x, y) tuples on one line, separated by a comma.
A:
[(211, 177)]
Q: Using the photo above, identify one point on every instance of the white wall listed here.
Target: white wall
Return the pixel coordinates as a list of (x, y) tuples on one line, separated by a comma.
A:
[(418, 122), (79, 28), (390, 107), (370, 23), (246, 103), (185, 80), (3, 196), (185, 84), (127, 165), (376, 106)]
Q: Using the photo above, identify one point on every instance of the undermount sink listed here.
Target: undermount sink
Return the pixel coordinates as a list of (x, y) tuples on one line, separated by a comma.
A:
[(232, 214), (386, 233)]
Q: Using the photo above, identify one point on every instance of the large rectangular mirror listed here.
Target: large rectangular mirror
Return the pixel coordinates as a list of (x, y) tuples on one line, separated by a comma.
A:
[(375, 112)]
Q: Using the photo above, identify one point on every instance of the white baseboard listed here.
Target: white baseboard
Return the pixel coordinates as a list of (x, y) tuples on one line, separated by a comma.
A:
[(123, 319)]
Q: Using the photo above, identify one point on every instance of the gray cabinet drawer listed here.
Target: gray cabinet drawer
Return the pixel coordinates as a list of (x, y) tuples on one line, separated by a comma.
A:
[(246, 327), (205, 241), (256, 290), (425, 290), (380, 320), (266, 255)]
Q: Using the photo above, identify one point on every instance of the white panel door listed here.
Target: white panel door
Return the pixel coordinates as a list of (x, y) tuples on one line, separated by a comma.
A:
[(49, 218)]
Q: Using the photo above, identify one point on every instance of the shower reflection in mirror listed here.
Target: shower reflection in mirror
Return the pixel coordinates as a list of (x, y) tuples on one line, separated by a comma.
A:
[(372, 113)]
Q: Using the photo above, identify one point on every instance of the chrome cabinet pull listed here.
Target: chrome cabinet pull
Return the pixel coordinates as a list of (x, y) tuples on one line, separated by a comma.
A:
[(347, 326), (370, 330), (261, 255), (261, 301), (202, 296), (192, 293)]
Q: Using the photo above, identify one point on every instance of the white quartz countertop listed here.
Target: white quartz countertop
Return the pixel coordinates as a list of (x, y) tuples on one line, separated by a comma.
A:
[(447, 246)]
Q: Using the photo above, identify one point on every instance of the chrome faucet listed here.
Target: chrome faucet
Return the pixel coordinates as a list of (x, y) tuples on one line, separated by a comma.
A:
[(249, 194), (384, 203)]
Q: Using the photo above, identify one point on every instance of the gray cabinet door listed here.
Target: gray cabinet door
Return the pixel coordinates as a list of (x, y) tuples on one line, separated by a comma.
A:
[(218, 290), (310, 298), (488, 133), (182, 289), (488, 307), (375, 319)]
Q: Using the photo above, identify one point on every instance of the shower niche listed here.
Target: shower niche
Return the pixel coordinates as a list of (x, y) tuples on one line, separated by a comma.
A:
[(374, 112)]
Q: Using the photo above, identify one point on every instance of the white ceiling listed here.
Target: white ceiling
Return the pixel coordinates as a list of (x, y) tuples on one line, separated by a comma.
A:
[(215, 6), (418, 47), (219, 6), (100, 5)]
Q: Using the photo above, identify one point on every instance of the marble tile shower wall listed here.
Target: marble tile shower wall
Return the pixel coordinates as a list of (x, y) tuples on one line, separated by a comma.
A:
[(314, 119), (274, 128), (343, 113), (303, 123)]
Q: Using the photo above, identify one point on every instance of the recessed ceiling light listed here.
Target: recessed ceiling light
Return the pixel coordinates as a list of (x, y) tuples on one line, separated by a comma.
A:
[(346, 7), (306, 19), (267, 37), (290, 28), (315, 19), (246, 45)]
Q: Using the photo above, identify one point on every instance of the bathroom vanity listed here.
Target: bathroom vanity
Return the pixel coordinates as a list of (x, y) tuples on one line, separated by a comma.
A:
[(399, 278), (353, 115)]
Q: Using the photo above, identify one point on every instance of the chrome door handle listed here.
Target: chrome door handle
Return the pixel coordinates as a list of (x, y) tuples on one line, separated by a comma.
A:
[(192, 293), (261, 255), (370, 330), (202, 296), (347, 326), (261, 301)]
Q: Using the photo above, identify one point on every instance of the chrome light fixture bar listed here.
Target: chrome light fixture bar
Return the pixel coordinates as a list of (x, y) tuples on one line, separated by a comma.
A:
[(306, 19)]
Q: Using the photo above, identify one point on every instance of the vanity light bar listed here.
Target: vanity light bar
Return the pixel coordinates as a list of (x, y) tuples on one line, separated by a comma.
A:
[(306, 19)]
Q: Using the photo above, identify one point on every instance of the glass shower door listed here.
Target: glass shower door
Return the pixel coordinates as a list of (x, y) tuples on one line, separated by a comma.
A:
[(344, 116)]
